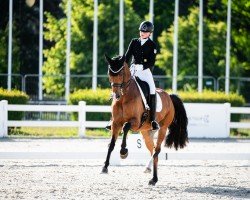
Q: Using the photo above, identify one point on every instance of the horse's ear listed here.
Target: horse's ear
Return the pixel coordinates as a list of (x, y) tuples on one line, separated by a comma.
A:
[(108, 59), (122, 58)]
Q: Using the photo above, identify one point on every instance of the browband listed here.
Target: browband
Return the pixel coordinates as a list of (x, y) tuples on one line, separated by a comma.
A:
[(116, 71)]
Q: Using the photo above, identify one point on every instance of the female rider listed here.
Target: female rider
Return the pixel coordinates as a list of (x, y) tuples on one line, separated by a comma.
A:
[(143, 52)]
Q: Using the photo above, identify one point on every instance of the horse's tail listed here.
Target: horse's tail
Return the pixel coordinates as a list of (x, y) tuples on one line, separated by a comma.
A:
[(178, 135)]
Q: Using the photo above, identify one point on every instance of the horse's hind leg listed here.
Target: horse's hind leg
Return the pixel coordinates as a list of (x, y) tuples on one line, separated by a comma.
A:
[(124, 150), (149, 141), (161, 136), (115, 133)]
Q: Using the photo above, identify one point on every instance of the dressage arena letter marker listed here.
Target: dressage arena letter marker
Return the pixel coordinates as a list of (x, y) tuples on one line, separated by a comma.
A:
[(138, 143)]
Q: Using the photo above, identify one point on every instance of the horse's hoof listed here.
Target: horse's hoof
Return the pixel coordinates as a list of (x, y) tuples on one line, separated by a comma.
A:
[(147, 170), (152, 182), (124, 153), (104, 170)]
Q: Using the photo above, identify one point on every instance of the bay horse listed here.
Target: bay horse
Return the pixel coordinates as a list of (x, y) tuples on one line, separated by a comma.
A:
[(128, 108)]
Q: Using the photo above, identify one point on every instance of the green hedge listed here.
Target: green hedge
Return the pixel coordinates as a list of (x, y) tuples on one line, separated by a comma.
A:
[(98, 97), (14, 97), (101, 97), (212, 97)]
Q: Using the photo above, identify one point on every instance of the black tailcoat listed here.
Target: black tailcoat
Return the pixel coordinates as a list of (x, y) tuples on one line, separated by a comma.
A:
[(142, 54)]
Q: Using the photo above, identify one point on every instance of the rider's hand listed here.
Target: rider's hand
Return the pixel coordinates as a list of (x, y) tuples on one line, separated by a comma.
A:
[(132, 69), (138, 67)]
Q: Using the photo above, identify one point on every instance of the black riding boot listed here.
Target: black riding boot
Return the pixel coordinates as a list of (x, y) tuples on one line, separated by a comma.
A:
[(155, 126)]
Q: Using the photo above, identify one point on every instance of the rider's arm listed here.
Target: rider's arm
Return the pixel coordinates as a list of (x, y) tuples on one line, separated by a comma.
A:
[(129, 51)]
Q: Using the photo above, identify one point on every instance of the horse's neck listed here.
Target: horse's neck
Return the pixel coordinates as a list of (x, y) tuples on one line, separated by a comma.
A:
[(131, 90)]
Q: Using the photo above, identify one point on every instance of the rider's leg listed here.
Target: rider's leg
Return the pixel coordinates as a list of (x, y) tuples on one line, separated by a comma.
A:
[(154, 124), (147, 76)]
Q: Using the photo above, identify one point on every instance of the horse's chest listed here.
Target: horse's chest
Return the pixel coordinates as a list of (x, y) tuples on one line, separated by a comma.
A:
[(125, 110)]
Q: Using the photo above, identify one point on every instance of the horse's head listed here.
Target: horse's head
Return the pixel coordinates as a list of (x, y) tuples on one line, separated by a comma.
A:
[(119, 74)]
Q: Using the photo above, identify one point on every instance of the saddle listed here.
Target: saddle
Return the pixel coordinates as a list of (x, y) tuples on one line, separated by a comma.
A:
[(145, 88), (145, 94)]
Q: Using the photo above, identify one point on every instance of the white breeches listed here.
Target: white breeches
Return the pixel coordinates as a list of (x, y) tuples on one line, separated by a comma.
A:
[(145, 75)]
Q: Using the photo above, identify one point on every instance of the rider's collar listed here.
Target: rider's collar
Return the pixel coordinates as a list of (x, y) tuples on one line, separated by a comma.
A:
[(143, 40)]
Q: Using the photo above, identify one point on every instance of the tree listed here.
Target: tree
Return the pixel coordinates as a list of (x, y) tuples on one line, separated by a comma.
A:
[(82, 40), (214, 44), (25, 39)]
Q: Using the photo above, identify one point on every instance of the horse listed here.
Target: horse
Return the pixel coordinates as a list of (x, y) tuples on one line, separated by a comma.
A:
[(128, 111)]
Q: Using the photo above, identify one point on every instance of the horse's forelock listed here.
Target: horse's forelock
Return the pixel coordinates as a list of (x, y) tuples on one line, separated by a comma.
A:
[(113, 71), (115, 65)]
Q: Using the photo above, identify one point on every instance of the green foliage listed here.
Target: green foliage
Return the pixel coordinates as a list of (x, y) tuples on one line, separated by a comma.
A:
[(240, 42), (212, 97), (4, 50), (91, 97), (102, 96), (214, 47), (25, 39), (14, 97), (82, 40)]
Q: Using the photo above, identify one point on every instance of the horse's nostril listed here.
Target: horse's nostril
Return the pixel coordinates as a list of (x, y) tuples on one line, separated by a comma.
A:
[(117, 96)]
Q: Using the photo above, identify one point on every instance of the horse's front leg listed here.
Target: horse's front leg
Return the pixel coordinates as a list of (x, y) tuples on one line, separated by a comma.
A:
[(124, 150), (115, 132), (154, 180), (161, 136), (149, 141)]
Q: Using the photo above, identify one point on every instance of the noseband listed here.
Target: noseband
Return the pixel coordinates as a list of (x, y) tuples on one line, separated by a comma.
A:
[(121, 85)]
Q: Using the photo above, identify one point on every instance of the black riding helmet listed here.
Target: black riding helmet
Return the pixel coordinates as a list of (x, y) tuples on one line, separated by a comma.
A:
[(146, 26)]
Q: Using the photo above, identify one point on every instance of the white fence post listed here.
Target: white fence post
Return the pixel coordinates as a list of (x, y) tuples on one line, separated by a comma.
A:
[(228, 114), (3, 118), (82, 118)]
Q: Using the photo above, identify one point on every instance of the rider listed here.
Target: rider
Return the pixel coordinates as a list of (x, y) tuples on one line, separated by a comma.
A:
[(143, 52)]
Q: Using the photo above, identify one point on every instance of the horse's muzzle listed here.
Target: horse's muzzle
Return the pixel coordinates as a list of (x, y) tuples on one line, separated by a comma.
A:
[(117, 96)]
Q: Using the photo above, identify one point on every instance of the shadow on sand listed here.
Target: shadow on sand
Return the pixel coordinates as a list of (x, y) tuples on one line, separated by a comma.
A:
[(222, 190)]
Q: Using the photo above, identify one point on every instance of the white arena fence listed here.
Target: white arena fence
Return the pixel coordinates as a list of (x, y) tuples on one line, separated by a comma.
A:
[(205, 120)]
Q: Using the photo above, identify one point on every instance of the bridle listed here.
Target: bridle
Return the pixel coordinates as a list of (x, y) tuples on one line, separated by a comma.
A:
[(123, 85)]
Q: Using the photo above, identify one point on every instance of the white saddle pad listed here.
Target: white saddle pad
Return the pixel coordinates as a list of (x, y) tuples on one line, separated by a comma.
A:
[(158, 99), (159, 103)]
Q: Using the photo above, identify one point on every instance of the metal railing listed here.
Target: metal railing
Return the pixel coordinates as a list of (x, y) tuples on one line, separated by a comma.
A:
[(16, 81), (29, 83), (239, 80)]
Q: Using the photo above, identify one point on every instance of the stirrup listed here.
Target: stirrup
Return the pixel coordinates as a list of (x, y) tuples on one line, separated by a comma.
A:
[(108, 127), (155, 126)]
